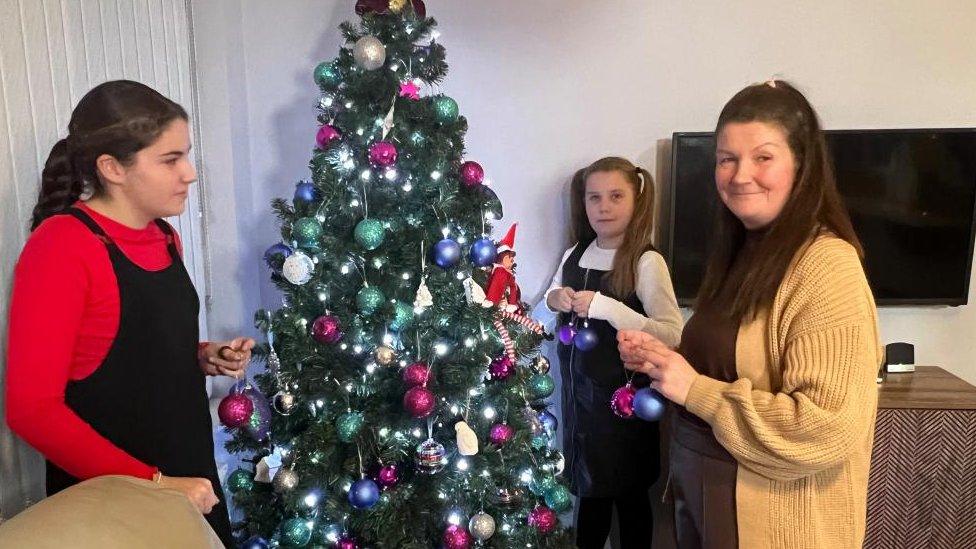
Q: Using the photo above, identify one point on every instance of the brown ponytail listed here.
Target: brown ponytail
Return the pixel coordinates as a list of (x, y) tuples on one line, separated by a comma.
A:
[(117, 118)]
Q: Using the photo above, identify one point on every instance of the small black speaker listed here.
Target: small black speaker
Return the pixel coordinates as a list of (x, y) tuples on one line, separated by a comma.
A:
[(900, 357)]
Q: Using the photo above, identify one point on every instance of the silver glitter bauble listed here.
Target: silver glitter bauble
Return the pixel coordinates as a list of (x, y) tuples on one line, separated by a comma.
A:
[(284, 402), (369, 53), (482, 526), (285, 480), (298, 268)]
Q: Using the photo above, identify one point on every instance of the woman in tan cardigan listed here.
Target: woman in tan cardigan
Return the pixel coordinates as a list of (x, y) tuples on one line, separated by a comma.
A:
[(774, 377)]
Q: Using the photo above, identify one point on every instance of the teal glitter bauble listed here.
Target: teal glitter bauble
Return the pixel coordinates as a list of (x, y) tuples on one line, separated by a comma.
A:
[(402, 316), (369, 233), (326, 75), (558, 499), (445, 109), (542, 483), (369, 299), (348, 425), (307, 231), (541, 386), (295, 532), (240, 480), (540, 441)]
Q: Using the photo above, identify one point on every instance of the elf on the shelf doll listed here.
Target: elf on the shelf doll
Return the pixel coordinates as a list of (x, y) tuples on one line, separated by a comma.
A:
[(502, 290)]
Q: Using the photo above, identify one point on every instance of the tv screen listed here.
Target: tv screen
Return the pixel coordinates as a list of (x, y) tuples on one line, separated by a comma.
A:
[(910, 194)]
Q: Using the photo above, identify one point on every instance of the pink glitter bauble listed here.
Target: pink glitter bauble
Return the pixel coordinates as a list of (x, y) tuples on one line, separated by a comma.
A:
[(472, 174), (543, 519), (500, 433), (416, 374), (235, 410), (326, 329), (419, 402), (457, 537), (325, 136), (501, 368)]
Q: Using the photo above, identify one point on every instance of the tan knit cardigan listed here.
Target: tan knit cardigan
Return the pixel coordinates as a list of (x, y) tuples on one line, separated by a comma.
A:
[(800, 418)]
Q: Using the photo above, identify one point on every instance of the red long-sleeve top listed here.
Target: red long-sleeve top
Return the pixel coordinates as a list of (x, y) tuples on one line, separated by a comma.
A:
[(64, 315)]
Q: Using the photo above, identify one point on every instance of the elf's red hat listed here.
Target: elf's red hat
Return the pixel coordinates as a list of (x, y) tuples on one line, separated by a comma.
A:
[(507, 244)]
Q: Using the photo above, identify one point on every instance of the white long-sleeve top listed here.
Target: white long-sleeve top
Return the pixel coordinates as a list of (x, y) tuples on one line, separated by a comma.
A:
[(653, 286)]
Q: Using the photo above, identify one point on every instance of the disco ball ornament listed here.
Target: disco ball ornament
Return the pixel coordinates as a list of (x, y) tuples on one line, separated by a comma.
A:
[(369, 53), (235, 410), (382, 154), (364, 493), (369, 299), (501, 368), (326, 329), (622, 401), (483, 252), (276, 255), (295, 531), (298, 268), (445, 109), (508, 497), (541, 365), (471, 174), (415, 374), (430, 457), (649, 405), (447, 253), (306, 231), (566, 334), (541, 386), (543, 519), (586, 339), (326, 136), (348, 425), (240, 481), (482, 526), (285, 480), (369, 233), (419, 402), (326, 75)]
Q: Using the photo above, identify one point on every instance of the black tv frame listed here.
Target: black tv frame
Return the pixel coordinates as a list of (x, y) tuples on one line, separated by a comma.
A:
[(686, 302)]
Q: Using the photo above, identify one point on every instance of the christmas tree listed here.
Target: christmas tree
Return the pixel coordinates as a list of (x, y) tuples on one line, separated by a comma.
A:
[(408, 405)]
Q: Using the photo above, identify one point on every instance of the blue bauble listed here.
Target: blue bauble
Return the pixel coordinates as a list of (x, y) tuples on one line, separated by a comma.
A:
[(306, 192), (548, 421), (649, 405), (275, 256), (364, 493), (586, 339), (483, 252), (447, 253), (255, 542)]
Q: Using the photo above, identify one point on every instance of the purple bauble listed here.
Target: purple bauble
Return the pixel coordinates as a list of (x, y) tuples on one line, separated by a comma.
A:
[(382, 154), (416, 374), (326, 329), (622, 402), (649, 405), (543, 519), (235, 410), (472, 174), (276, 255), (259, 425), (325, 136), (501, 367), (419, 402), (548, 421), (364, 493), (567, 332), (447, 253), (457, 537), (500, 433), (346, 543), (388, 476), (586, 339)]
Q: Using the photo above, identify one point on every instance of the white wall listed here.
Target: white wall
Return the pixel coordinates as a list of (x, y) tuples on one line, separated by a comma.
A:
[(551, 85)]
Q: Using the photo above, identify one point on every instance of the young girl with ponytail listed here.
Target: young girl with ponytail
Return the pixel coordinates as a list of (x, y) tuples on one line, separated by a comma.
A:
[(105, 374)]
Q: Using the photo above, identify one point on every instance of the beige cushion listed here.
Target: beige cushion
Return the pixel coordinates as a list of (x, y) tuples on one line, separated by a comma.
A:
[(109, 512)]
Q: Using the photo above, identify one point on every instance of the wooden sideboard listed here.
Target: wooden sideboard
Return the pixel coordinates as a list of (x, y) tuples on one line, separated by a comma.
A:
[(922, 490)]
